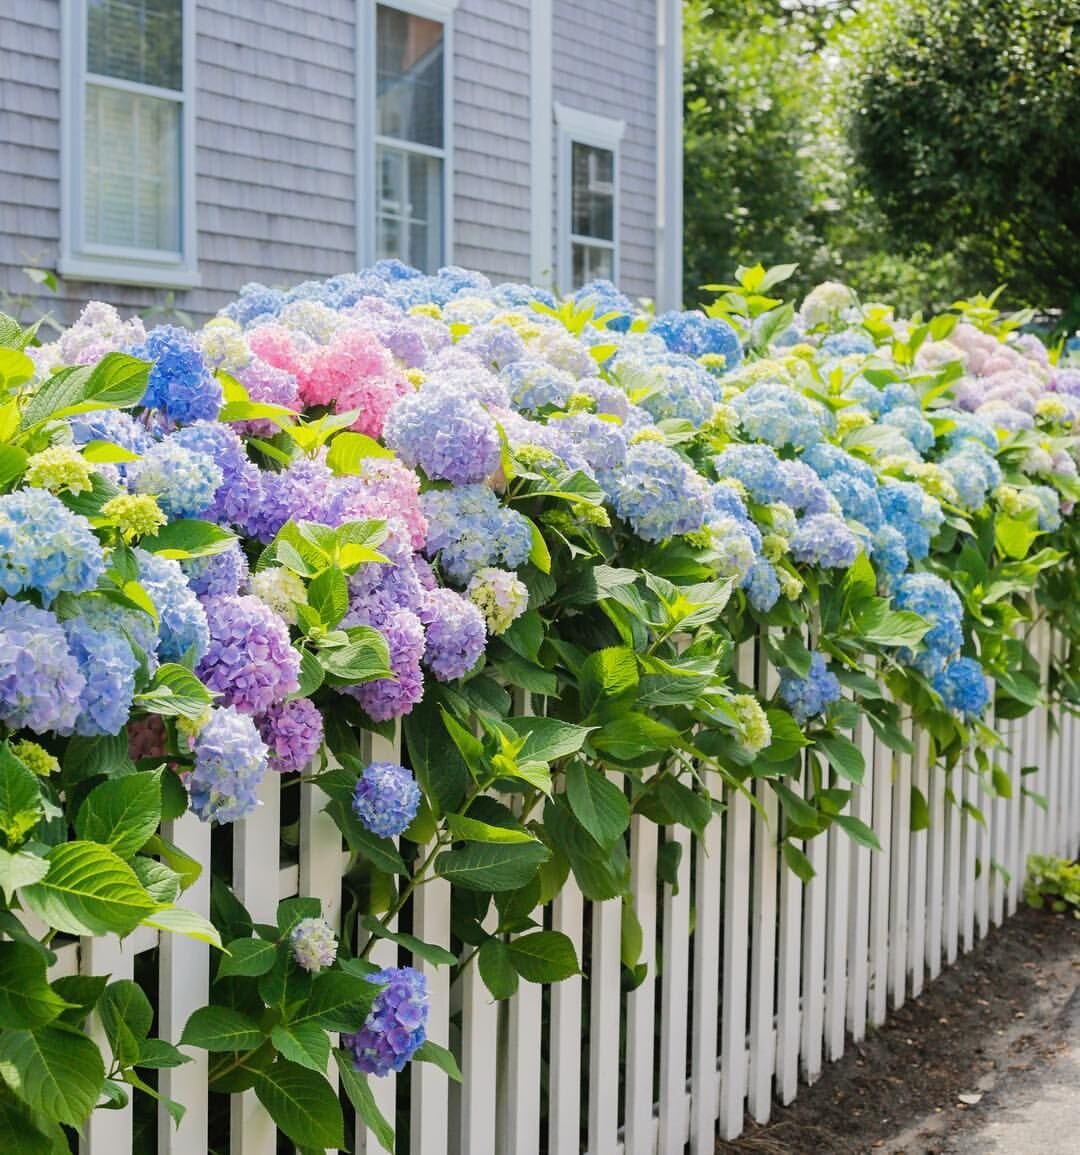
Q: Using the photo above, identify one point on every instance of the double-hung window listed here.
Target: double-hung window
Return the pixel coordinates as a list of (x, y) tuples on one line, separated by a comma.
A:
[(403, 156), (588, 150), (127, 151)]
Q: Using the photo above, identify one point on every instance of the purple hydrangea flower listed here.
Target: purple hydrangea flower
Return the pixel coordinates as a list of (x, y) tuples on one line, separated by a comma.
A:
[(45, 547), (180, 383), (250, 661), (396, 1025), (218, 573), (230, 762), (448, 434), (293, 731), (386, 698), (386, 799), (41, 685), (313, 944), (454, 635), (108, 664), (807, 697)]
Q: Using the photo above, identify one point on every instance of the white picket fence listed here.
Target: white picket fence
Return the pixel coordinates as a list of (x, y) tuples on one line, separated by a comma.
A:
[(755, 980)]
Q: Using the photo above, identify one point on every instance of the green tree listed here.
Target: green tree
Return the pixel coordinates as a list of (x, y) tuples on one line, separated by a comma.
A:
[(964, 129)]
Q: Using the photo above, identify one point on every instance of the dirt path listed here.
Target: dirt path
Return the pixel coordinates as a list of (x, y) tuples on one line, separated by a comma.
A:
[(991, 1029)]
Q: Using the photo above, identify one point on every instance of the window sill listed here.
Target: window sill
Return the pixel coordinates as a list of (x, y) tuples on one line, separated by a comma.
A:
[(118, 272)]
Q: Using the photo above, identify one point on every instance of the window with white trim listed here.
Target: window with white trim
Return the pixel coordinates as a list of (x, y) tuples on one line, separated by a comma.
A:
[(411, 129), (128, 196), (588, 245)]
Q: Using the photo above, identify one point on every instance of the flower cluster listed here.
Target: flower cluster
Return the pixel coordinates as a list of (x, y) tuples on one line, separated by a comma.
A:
[(386, 799), (230, 761), (313, 944), (808, 697), (396, 1024)]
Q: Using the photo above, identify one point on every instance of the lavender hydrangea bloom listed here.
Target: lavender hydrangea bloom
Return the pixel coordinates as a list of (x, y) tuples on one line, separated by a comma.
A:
[(108, 664), (216, 441), (254, 301), (695, 334), (301, 492), (535, 384), (496, 345), (45, 547), (824, 540), (449, 435), (182, 626), (600, 444), (386, 698), (396, 1025), (937, 602), (219, 573), (386, 799), (455, 635), (964, 687), (183, 481), (468, 529), (313, 944), (658, 493), (807, 697), (230, 762), (250, 661), (40, 682), (180, 384), (293, 731)]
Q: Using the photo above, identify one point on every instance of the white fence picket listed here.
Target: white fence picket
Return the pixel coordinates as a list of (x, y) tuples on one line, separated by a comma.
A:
[(862, 807), (900, 879), (604, 1028), (473, 1104), (640, 1136), (674, 1119), (763, 947), (815, 899), (106, 1130), (919, 840), (564, 1126), (880, 867), (709, 868), (428, 1091), (736, 943)]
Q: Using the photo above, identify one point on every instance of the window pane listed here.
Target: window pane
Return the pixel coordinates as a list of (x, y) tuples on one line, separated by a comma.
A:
[(138, 40), (593, 192), (590, 263), (409, 62), (131, 185), (410, 207)]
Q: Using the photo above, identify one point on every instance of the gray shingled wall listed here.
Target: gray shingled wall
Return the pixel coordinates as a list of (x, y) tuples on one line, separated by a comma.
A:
[(605, 63), (275, 163)]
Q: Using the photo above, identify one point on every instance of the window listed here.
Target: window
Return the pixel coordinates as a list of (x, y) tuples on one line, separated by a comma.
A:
[(409, 151), (127, 151), (588, 197)]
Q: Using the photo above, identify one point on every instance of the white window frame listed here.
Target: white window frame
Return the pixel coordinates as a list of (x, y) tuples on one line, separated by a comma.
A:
[(575, 126), (80, 260), (367, 139)]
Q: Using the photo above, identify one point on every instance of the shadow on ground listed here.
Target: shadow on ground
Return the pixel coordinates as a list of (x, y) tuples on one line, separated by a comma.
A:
[(989, 1029)]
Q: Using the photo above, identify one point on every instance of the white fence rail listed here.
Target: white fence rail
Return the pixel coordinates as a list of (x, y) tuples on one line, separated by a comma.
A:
[(754, 979)]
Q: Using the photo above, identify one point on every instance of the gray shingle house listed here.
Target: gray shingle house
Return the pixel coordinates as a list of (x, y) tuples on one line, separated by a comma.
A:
[(149, 146)]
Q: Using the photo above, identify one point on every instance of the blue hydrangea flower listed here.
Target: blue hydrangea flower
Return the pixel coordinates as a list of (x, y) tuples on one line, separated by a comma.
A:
[(828, 460), (964, 687), (448, 434), (468, 529), (136, 626), (762, 586), (807, 697), (108, 664), (219, 573), (254, 301), (607, 302), (454, 634), (230, 762), (496, 345), (937, 602), (857, 500), (659, 493), (768, 479), (216, 441), (695, 334), (974, 472), (183, 481), (600, 444), (113, 425), (180, 383), (41, 685), (533, 385), (386, 799), (889, 555), (1049, 506), (779, 416), (908, 508), (824, 540), (45, 547), (734, 549), (912, 424), (968, 427), (850, 343), (898, 395), (668, 386), (511, 295), (182, 624), (396, 1025)]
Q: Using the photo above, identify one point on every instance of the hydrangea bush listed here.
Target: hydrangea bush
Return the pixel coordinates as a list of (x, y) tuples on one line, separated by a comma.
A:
[(534, 534)]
